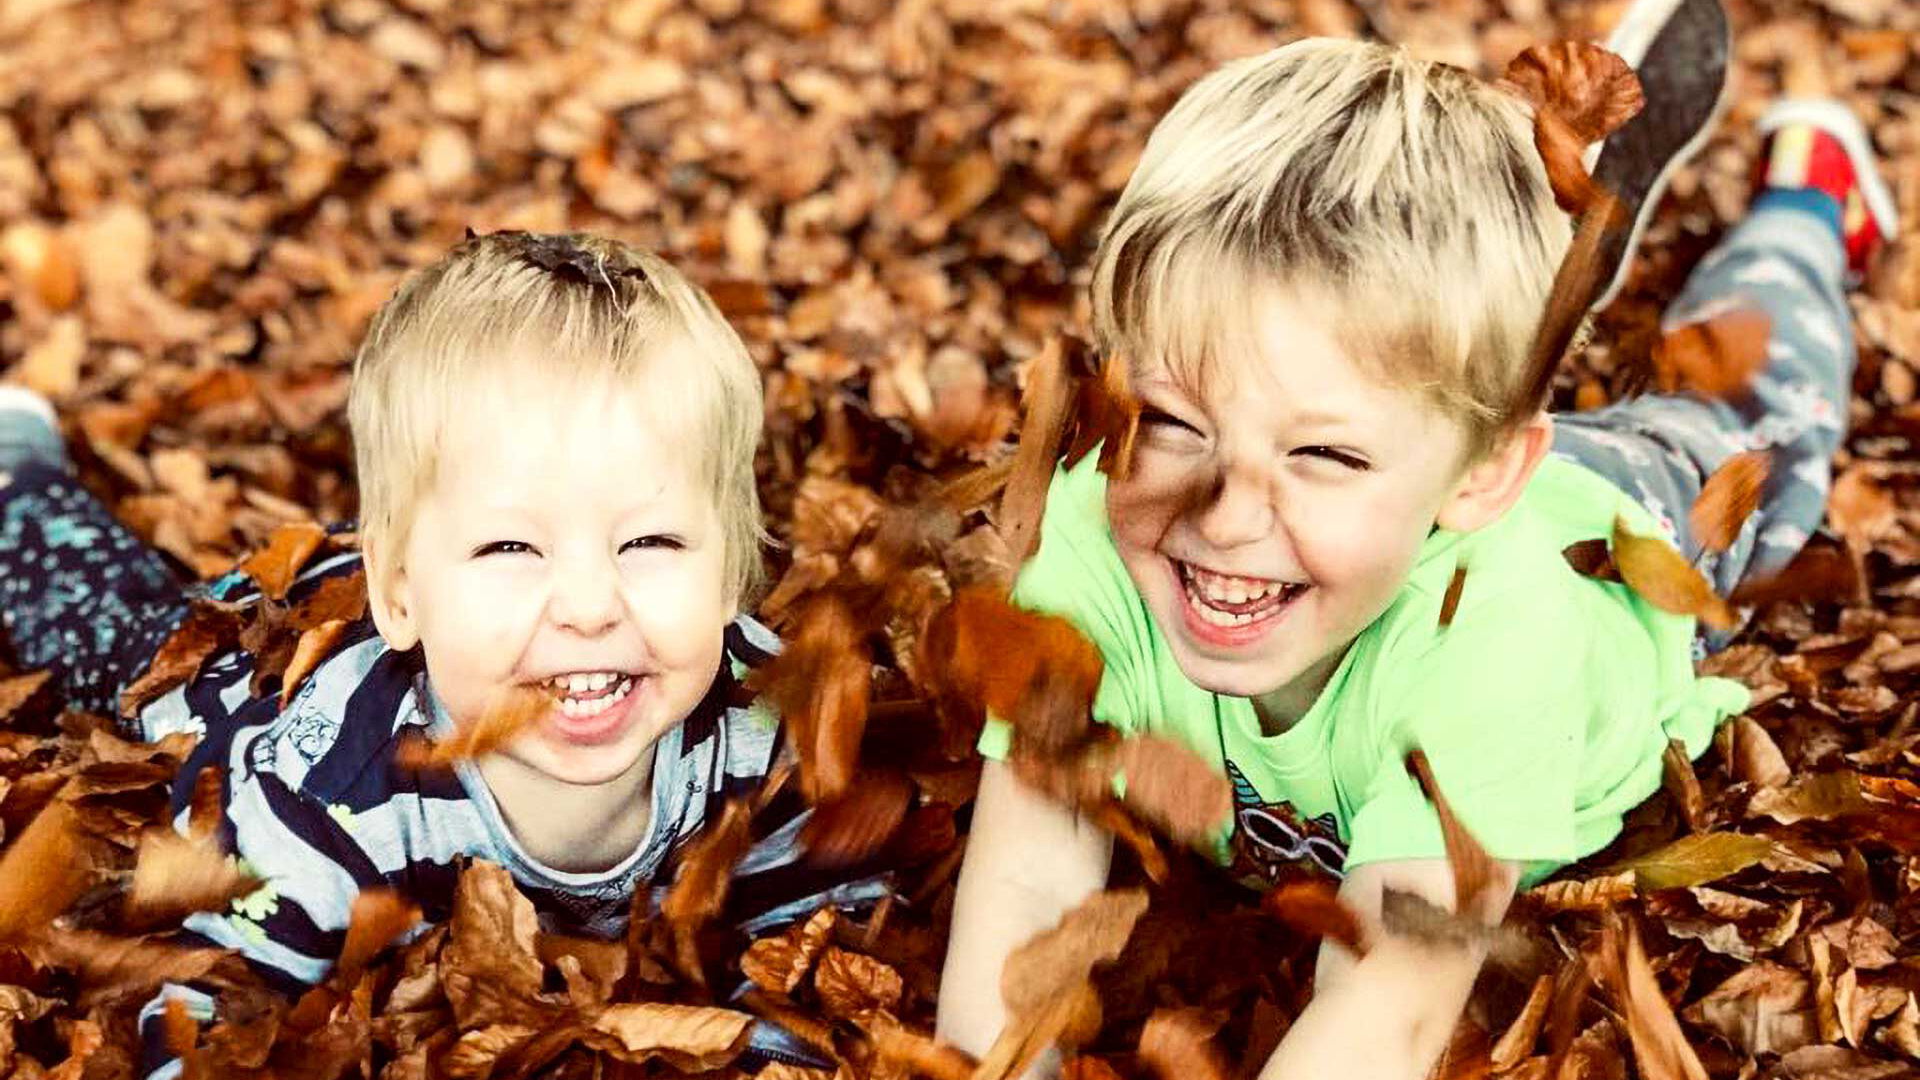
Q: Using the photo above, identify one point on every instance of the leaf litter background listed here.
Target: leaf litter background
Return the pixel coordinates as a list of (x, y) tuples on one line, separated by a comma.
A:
[(202, 204)]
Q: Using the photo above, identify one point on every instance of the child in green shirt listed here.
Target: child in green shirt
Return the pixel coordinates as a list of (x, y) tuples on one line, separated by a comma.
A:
[(1324, 278)]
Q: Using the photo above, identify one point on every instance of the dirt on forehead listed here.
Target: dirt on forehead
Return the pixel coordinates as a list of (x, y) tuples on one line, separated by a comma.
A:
[(894, 204)]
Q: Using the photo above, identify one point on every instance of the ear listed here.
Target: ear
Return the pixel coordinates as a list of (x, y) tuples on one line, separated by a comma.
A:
[(390, 600), (1495, 482)]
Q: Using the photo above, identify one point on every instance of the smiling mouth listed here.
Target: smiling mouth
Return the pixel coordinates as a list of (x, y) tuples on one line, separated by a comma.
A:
[(1227, 601), (587, 694)]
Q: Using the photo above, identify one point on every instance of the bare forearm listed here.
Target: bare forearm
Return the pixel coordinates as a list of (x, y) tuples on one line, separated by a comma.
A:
[(1028, 862), (1387, 1018)]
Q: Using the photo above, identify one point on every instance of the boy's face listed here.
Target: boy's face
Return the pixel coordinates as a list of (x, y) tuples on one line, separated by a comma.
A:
[(1274, 514), (574, 548)]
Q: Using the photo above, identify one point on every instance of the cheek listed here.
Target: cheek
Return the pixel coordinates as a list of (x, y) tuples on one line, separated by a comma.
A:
[(1155, 494), (681, 610)]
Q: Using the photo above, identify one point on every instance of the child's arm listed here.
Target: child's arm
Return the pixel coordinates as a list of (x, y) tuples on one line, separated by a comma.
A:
[(1390, 1014), (1029, 860)]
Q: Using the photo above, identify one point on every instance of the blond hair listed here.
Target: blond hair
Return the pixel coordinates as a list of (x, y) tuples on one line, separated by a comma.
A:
[(581, 313), (1402, 195)]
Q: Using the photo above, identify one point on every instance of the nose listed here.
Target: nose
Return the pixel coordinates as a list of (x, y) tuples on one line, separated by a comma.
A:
[(585, 597), (1240, 510)]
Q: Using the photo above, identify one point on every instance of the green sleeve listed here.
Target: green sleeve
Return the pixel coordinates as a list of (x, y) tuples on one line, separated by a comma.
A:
[(1077, 574), (1505, 744)]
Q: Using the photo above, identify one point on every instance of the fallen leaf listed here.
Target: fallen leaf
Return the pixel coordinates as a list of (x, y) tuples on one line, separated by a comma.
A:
[(274, 567), (1178, 1045), (205, 631), (515, 710), (686, 1037), (1659, 1048), (1474, 874), (849, 829), (1728, 499), (378, 916), (1314, 908), (1170, 786), (851, 985), (1717, 358), (177, 875), (699, 893), (1517, 1043), (921, 1055), (1048, 405), (43, 871), (1652, 568), (315, 645), (781, 964), (18, 690), (1695, 860), (1451, 601), (819, 685), (1055, 961)]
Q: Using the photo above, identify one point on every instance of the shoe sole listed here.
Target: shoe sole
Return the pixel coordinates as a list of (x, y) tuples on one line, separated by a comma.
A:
[(1677, 121)]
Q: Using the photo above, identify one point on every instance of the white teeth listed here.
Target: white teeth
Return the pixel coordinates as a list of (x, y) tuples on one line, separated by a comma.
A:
[(1206, 589), (575, 707), (583, 682)]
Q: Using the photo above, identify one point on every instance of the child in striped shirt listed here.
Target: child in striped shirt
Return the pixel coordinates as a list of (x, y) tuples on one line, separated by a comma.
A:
[(554, 442)]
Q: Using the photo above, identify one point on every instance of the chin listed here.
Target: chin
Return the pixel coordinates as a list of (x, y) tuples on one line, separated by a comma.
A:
[(1248, 678)]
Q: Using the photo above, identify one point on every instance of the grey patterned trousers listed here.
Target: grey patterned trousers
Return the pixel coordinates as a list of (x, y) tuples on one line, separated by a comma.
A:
[(1660, 448)]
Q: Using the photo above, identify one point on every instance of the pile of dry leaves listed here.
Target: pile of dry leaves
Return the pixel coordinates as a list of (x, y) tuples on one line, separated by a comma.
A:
[(202, 203)]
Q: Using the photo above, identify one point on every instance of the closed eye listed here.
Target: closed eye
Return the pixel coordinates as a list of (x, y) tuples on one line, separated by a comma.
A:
[(503, 547), (1152, 417), (1337, 456), (666, 543)]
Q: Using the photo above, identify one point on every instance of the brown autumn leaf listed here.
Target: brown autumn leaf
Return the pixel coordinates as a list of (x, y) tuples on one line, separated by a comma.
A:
[(1860, 508), (1728, 499), (1517, 1043), (336, 598), (919, 1054), (851, 828), (699, 893), (819, 685), (1695, 859), (1056, 960), (851, 985), (686, 1037), (1048, 403), (378, 917), (206, 630), (1716, 358), (177, 875), (1652, 568), (204, 806), (488, 966), (18, 690), (780, 964), (1170, 786), (1592, 894), (315, 645), (1592, 90), (108, 965), (1474, 874), (1106, 414), (1035, 671), (515, 710), (1177, 1044), (1451, 601), (1756, 757), (1819, 572), (1314, 908), (1659, 1047), (274, 567), (1592, 558), (43, 871)]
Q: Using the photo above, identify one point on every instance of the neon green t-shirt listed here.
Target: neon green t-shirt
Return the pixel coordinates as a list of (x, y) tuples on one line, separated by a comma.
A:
[(1545, 706)]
